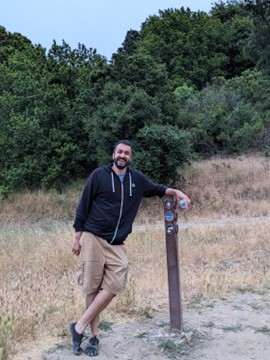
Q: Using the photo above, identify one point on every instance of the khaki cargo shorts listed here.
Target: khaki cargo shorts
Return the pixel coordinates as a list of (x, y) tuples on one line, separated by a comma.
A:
[(101, 265)]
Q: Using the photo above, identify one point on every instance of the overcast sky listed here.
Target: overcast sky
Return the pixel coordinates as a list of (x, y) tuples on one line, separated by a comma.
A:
[(100, 24)]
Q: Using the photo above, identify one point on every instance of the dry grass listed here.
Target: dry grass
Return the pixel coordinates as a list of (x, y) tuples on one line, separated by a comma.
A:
[(219, 261), (229, 187), (221, 188), (38, 293), (214, 262), (32, 207)]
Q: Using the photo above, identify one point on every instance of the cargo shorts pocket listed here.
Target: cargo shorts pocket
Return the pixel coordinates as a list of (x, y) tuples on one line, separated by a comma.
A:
[(79, 273), (89, 276)]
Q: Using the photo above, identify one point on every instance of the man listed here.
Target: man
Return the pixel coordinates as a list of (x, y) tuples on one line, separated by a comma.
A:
[(104, 218)]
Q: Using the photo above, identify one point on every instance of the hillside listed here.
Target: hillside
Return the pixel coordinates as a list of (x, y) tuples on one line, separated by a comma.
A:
[(224, 244)]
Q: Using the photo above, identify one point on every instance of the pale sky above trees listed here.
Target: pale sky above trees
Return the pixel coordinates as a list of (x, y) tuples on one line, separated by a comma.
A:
[(100, 24)]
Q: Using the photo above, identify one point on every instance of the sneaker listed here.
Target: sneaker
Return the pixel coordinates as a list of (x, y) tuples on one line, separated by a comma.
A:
[(76, 340)]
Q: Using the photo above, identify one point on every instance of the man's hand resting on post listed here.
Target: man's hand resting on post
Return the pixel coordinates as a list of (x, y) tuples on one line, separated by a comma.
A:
[(179, 195)]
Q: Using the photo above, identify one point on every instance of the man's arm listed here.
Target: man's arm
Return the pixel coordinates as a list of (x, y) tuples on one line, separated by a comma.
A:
[(82, 213), (178, 194)]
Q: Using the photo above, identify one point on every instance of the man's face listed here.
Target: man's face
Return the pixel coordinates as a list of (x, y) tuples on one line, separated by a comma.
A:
[(122, 156)]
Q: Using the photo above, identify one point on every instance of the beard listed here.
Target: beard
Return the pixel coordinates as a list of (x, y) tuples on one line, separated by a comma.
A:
[(119, 165)]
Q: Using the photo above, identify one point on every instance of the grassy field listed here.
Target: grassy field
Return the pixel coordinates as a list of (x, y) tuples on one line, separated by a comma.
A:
[(38, 292)]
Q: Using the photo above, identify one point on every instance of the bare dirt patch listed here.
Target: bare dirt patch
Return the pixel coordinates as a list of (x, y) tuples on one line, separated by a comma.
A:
[(233, 328)]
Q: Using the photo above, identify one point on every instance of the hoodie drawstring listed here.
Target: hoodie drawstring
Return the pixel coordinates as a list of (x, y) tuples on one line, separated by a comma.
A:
[(113, 187), (130, 184)]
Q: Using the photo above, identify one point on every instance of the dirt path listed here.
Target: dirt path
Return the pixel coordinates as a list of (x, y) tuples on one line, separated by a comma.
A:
[(196, 224), (236, 328)]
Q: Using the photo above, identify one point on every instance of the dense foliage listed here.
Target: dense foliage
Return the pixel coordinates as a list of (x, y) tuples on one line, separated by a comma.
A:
[(187, 84)]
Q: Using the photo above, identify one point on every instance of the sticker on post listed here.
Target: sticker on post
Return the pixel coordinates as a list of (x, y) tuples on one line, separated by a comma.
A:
[(170, 229), (168, 204), (169, 216)]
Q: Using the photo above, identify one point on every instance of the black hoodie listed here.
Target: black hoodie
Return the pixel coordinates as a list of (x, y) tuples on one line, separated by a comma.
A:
[(108, 206)]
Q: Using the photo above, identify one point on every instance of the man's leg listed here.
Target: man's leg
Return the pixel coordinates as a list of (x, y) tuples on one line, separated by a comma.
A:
[(94, 323), (99, 303), (92, 346)]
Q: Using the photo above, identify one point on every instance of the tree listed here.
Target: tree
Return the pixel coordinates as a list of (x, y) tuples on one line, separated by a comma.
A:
[(196, 47), (10, 42), (162, 151), (42, 118), (258, 48), (238, 28), (178, 38), (120, 113), (129, 45), (229, 116), (141, 71)]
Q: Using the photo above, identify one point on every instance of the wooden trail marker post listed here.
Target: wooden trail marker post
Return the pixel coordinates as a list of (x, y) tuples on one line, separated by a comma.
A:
[(171, 231)]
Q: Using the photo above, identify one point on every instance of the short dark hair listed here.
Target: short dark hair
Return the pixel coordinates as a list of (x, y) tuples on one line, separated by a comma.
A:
[(124, 142)]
